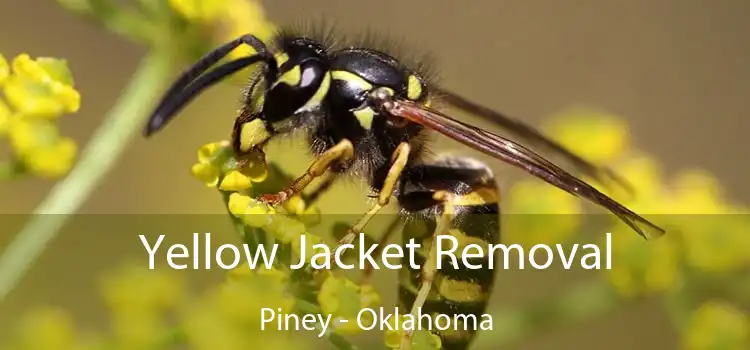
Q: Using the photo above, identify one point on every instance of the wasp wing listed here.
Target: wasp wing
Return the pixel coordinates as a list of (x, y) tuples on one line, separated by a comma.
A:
[(519, 156), (533, 136)]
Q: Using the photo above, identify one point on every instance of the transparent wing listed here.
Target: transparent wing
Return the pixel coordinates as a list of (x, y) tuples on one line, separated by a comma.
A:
[(519, 156), (533, 137)]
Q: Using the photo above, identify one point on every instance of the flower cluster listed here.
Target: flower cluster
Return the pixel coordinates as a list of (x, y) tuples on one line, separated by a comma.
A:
[(421, 340), (232, 17), (717, 325), (540, 213), (339, 297), (706, 240), (37, 92), (229, 316), (343, 299), (705, 230), (189, 28), (154, 309)]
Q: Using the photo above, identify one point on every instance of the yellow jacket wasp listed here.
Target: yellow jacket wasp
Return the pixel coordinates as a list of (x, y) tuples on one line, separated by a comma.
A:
[(366, 113)]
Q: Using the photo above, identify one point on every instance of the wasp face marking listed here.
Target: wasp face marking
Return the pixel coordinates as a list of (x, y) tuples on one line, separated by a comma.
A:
[(416, 89), (281, 57), (365, 116)]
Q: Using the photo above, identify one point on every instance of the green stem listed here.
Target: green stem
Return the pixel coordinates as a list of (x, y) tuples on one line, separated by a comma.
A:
[(113, 135)]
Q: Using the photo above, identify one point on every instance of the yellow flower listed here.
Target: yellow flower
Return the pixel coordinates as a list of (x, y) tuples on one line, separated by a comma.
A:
[(41, 88), (37, 92), (4, 69), (280, 277), (537, 197), (239, 273), (243, 273), (295, 205), (138, 329), (694, 211), (226, 20), (48, 329), (717, 325), (640, 266), (235, 181), (235, 18), (541, 213), (716, 243), (646, 176), (597, 136), (208, 168), (199, 10), (421, 340), (258, 292), (244, 17), (38, 144), (714, 238), (283, 228), (287, 229), (6, 116), (311, 216), (229, 317), (215, 160), (38, 99), (698, 193), (44, 69), (206, 173), (135, 288), (27, 135), (343, 299), (206, 329), (208, 152), (250, 211), (54, 161), (310, 241)]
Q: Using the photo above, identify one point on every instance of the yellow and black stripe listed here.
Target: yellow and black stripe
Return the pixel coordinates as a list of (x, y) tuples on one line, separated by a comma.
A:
[(468, 189)]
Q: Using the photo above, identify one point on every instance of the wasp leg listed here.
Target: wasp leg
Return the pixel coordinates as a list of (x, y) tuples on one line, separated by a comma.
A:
[(430, 266), (342, 152), (398, 163), (367, 274), (455, 197), (323, 187)]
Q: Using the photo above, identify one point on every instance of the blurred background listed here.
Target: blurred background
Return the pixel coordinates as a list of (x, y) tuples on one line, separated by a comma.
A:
[(675, 71)]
